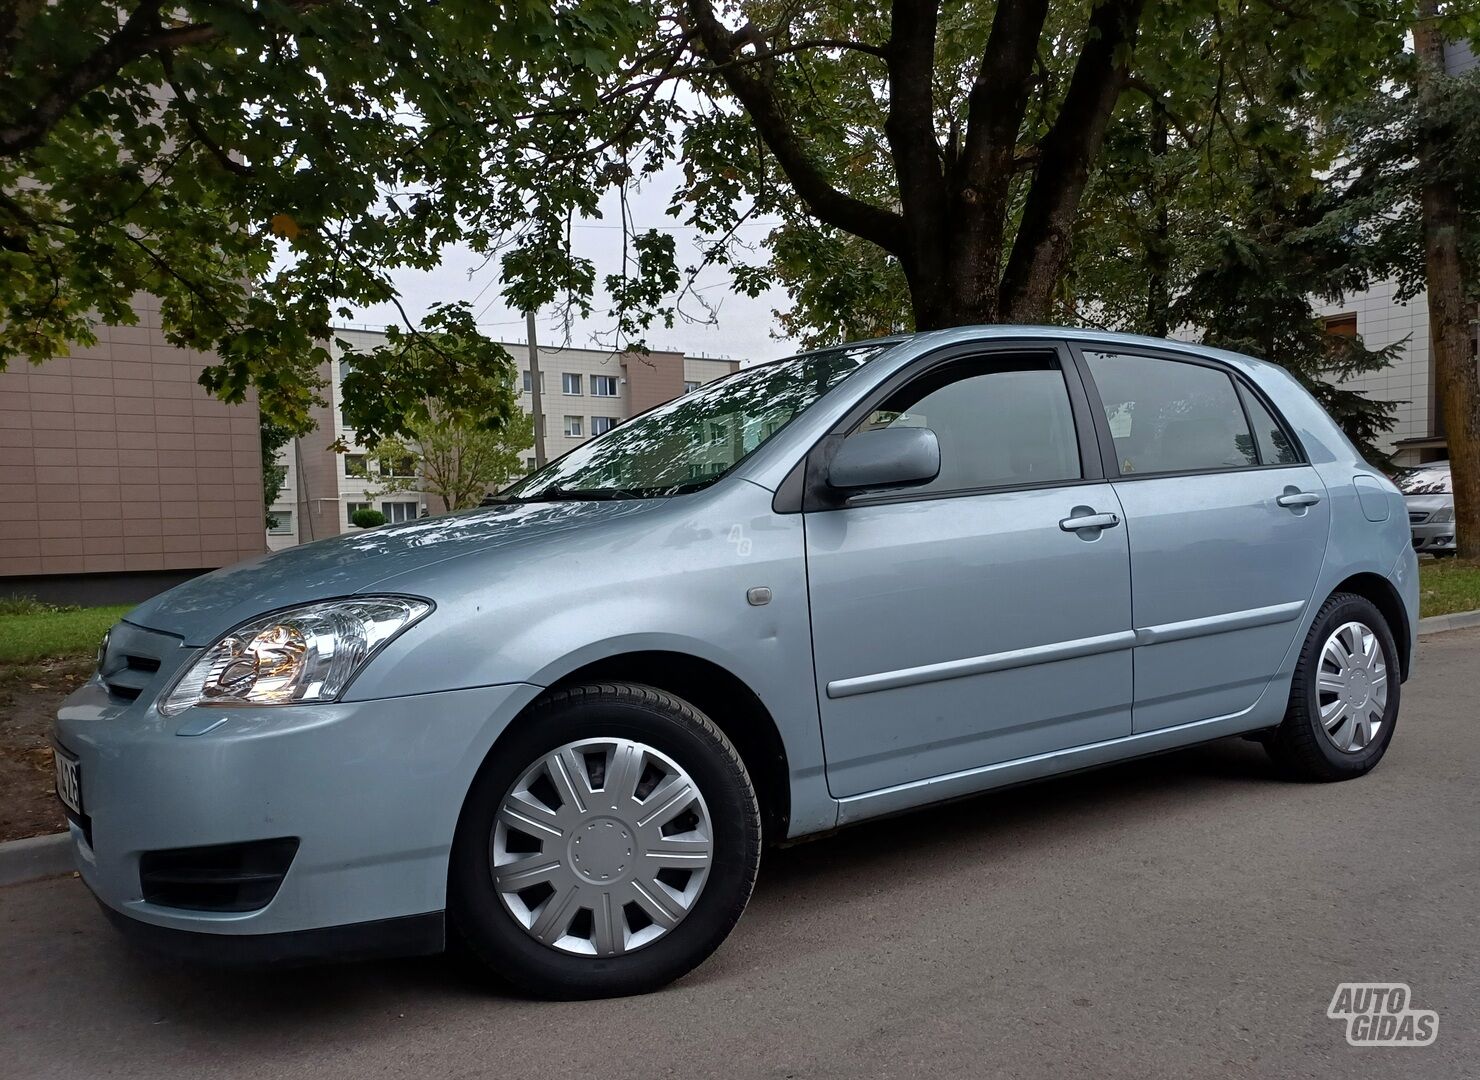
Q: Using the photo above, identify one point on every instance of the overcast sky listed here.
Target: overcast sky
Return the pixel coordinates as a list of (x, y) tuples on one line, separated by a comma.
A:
[(743, 330)]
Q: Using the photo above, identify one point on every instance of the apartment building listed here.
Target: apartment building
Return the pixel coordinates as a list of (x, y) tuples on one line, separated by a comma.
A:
[(1418, 435), (583, 393), (119, 474)]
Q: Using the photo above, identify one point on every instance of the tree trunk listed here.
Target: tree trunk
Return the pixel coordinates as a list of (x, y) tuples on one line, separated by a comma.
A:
[(1451, 322)]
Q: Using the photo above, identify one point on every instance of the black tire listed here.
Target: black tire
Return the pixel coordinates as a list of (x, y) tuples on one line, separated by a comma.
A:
[(1299, 746), (675, 728)]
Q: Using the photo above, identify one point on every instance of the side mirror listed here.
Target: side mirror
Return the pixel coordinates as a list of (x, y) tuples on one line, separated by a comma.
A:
[(886, 457)]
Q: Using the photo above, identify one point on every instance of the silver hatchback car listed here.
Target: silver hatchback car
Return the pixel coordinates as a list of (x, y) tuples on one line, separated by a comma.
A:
[(1428, 493), (560, 729)]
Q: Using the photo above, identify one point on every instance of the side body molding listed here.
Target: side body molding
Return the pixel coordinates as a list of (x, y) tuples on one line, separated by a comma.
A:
[(1066, 650)]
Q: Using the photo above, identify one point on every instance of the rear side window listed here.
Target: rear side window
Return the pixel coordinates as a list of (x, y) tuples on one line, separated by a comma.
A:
[(1000, 421), (1167, 417)]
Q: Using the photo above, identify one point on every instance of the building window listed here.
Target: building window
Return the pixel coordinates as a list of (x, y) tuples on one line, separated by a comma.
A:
[(689, 386), (399, 511), (354, 465), (529, 383), (600, 425), (282, 523), (603, 386), (571, 384), (1341, 325), (350, 509), (404, 465), (529, 464), (573, 426), (277, 474)]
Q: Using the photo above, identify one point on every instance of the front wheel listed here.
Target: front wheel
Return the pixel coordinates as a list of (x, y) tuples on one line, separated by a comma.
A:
[(607, 847), (1344, 696)]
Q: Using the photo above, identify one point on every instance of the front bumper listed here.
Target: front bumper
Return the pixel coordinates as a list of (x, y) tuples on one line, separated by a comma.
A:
[(371, 790), (1434, 537)]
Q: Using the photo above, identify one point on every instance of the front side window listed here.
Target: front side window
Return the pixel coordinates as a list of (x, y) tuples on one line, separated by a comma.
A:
[(685, 444), (571, 384), (1167, 416), (603, 386), (1000, 421)]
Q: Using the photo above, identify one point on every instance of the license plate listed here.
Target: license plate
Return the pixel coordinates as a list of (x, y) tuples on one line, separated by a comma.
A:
[(69, 782)]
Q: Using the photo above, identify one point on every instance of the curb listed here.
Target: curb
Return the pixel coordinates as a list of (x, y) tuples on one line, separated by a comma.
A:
[(1460, 620), (36, 857)]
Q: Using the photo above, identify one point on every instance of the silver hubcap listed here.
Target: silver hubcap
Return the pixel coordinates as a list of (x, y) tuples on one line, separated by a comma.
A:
[(1351, 687), (601, 847)]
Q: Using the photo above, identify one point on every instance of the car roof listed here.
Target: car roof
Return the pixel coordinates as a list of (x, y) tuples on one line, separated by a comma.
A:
[(1251, 365)]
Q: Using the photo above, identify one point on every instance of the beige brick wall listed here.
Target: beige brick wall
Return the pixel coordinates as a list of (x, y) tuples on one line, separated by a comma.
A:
[(114, 459)]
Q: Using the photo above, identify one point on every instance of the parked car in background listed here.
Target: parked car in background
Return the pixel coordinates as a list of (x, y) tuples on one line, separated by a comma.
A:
[(1429, 495), (838, 586)]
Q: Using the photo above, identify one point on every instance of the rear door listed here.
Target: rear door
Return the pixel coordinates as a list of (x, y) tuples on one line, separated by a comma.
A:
[(1227, 526), (959, 623)]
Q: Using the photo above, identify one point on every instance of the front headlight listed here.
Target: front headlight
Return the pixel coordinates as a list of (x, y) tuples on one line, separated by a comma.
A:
[(304, 654), (1446, 514)]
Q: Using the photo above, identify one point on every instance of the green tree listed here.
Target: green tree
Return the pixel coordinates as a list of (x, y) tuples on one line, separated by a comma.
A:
[(455, 460), (261, 166), (1415, 200), (439, 407)]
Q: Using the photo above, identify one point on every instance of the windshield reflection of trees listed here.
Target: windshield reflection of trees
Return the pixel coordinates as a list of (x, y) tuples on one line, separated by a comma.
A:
[(688, 443)]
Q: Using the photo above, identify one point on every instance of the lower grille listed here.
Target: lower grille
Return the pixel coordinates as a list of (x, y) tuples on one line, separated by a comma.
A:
[(222, 877), (1417, 518)]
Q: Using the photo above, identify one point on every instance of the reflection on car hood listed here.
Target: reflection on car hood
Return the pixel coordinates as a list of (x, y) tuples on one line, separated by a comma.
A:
[(205, 607), (1427, 503)]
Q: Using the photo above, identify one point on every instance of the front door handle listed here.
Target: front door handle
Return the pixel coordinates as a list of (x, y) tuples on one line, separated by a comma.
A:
[(1298, 498), (1086, 520)]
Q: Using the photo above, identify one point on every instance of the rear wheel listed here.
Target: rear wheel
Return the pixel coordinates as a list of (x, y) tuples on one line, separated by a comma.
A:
[(1344, 696), (607, 847)]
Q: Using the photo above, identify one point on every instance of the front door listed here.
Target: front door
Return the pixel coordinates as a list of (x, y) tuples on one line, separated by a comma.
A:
[(984, 616), (1227, 527)]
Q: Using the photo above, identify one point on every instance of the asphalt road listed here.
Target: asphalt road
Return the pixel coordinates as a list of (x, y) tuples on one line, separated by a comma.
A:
[(1185, 916)]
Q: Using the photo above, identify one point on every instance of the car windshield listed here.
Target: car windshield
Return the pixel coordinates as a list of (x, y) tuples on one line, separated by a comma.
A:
[(1425, 482), (690, 442)]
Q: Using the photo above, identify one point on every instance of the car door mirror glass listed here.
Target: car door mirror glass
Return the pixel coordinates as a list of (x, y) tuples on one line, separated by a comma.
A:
[(885, 457)]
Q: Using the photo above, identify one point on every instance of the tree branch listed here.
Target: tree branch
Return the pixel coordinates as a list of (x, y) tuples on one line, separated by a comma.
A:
[(753, 86), (140, 35), (910, 126), (1041, 247), (999, 97), (192, 120)]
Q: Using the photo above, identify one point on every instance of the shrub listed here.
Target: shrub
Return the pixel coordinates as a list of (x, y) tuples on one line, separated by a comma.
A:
[(367, 519)]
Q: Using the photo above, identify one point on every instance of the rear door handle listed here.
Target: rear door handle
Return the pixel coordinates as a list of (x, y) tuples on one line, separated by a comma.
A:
[(1089, 521), (1298, 498)]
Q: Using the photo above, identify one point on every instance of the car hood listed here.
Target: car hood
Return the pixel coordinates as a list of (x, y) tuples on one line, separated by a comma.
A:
[(204, 608), (1428, 503)]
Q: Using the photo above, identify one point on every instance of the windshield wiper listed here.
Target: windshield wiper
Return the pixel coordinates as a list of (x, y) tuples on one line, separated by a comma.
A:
[(556, 493)]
